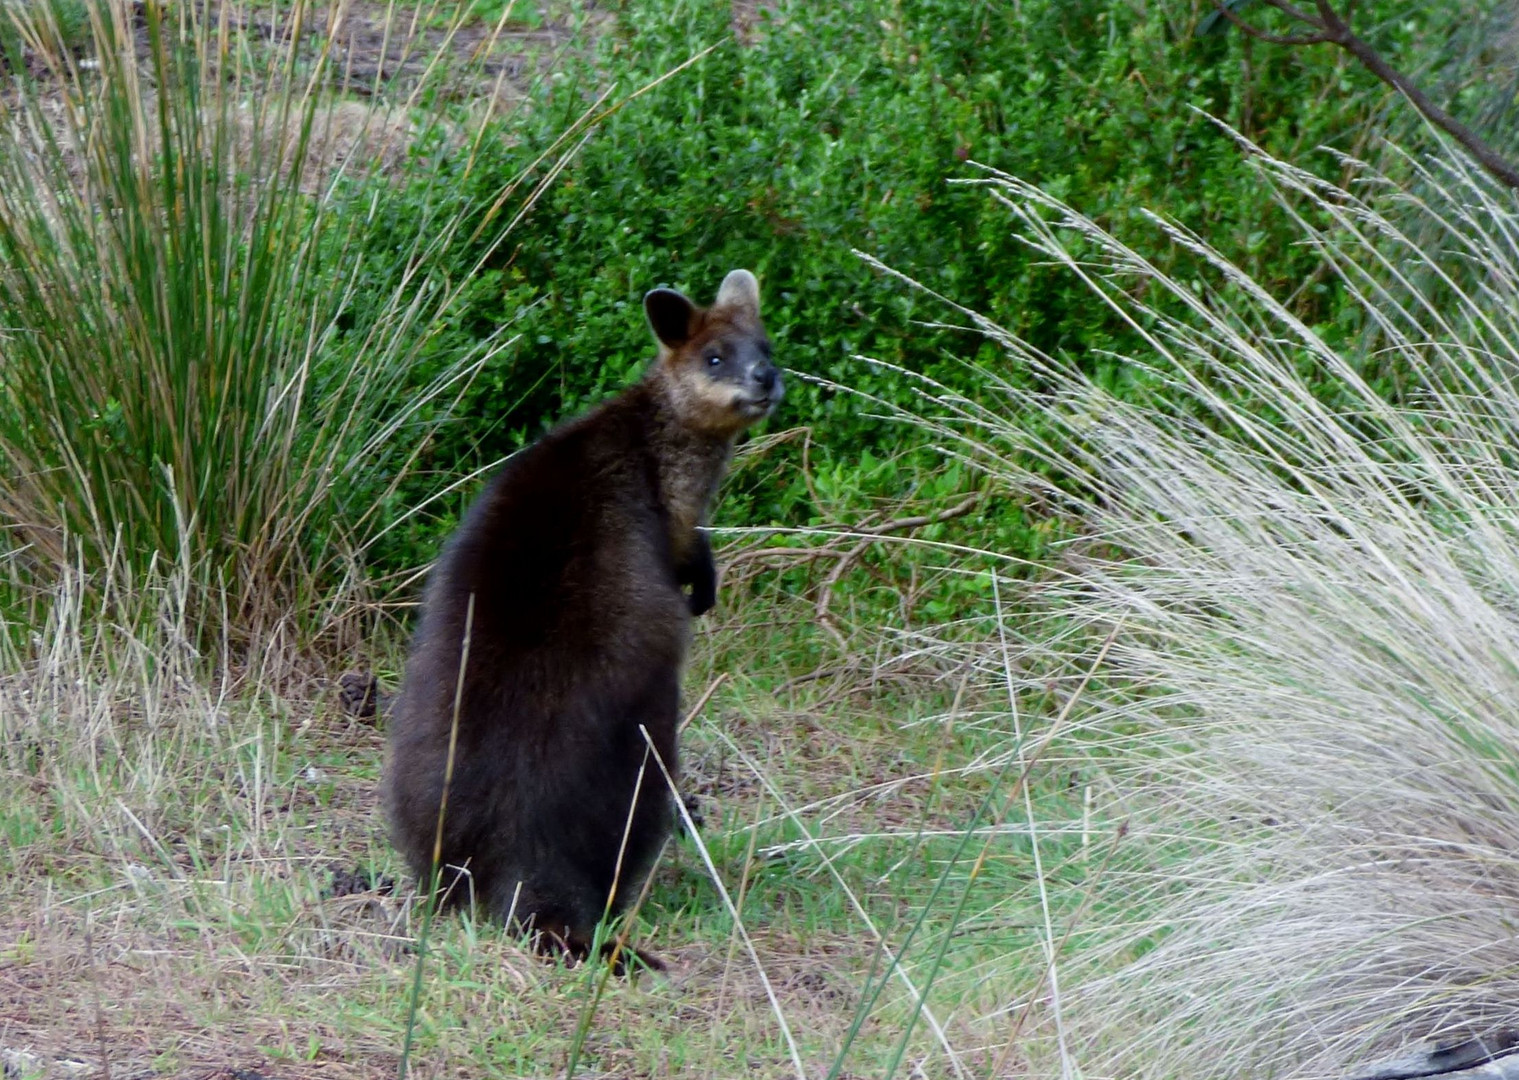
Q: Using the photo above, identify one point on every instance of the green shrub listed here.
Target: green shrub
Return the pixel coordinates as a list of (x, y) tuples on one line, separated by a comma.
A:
[(834, 127)]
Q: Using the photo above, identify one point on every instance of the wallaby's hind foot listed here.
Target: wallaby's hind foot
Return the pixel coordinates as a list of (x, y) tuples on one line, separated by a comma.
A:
[(359, 694), (560, 943)]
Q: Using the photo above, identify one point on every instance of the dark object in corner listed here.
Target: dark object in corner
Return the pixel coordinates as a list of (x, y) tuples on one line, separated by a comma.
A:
[(692, 804), (1216, 22), (1489, 1057), (359, 694)]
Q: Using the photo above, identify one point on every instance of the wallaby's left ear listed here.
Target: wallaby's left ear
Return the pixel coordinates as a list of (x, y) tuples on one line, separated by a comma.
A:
[(739, 290), (670, 316)]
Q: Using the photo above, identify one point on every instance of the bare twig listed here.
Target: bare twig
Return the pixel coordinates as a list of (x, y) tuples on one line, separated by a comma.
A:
[(1272, 39), (960, 509), (701, 702), (759, 553), (825, 593), (89, 948), (1329, 27)]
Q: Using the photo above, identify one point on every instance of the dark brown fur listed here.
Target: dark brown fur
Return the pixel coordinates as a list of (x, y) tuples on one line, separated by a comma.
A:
[(575, 556)]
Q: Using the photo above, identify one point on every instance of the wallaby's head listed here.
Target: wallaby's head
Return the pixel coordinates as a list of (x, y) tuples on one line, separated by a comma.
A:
[(715, 361)]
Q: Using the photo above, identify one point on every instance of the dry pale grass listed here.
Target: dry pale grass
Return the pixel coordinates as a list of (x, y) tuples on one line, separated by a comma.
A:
[(1303, 734), (178, 857)]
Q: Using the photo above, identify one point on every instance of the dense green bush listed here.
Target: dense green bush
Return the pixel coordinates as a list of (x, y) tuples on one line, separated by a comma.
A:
[(814, 131), (827, 128)]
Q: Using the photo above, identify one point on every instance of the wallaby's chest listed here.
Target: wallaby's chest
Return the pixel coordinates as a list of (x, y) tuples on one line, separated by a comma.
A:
[(688, 480)]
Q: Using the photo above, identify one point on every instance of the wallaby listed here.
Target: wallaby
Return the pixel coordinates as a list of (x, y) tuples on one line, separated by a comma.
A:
[(554, 628)]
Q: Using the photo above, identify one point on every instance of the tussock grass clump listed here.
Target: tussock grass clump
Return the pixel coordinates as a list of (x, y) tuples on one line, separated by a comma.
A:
[(183, 379), (1310, 550)]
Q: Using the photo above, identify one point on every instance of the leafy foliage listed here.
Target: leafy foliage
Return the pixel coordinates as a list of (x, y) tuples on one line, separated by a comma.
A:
[(825, 128), (804, 134)]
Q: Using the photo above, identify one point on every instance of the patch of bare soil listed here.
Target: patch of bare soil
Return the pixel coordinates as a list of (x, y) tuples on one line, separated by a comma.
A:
[(123, 1003), (379, 56), (123, 966), (376, 53)]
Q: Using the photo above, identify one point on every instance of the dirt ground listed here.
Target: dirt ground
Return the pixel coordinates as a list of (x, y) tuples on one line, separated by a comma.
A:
[(375, 54)]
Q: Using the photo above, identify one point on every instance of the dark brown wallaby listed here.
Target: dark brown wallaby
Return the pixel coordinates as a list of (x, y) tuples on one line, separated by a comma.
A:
[(576, 556)]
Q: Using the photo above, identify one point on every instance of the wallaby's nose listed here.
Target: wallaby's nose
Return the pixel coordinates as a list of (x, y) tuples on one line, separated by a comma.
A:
[(766, 375)]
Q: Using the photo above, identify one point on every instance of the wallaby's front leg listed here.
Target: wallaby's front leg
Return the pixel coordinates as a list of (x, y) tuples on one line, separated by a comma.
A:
[(700, 572)]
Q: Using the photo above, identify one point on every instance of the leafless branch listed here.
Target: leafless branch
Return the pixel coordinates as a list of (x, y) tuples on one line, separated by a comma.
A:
[(960, 509), (825, 592), (1271, 39), (1329, 27)]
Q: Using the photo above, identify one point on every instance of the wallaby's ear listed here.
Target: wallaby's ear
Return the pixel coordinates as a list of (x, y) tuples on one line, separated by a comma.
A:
[(739, 290), (671, 316)]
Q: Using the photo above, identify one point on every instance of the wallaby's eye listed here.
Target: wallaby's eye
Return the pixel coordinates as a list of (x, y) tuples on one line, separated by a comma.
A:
[(713, 360)]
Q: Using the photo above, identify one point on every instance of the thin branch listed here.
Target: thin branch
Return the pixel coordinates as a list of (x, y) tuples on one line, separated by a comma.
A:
[(1293, 13), (1332, 28), (1270, 39), (1486, 156), (701, 703), (960, 509), (825, 594), (797, 554)]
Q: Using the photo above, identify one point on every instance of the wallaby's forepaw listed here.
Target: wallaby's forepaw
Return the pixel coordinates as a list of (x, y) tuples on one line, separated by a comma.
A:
[(701, 600)]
